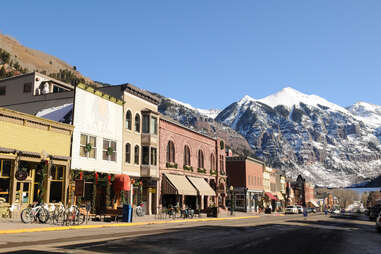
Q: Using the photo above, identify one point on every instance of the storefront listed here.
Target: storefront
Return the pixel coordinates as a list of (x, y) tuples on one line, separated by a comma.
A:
[(34, 158)]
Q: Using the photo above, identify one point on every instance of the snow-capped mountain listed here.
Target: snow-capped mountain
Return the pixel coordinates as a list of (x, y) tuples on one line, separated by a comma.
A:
[(210, 113), (306, 134), (367, 112)]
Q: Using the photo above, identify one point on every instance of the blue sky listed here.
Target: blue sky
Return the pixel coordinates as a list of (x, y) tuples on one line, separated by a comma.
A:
[(211, 53)]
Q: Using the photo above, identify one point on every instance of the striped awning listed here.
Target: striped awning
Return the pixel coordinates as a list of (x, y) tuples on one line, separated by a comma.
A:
[(202, 186), (179, 183)]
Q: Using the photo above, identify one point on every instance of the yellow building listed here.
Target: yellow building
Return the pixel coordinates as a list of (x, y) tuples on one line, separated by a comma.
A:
[(34, 159)]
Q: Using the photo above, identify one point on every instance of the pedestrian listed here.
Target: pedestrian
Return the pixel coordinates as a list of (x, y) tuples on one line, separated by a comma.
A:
[(305, 213), (325, 211)]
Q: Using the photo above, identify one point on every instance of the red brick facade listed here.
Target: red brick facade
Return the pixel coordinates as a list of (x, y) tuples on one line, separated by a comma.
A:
[(244, 172)]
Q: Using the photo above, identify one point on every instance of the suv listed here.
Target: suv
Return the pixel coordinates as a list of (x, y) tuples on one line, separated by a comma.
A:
[(378, 223), (291, 210)]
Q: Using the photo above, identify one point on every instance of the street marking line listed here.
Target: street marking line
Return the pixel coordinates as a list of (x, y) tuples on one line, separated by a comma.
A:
[(30, 230)]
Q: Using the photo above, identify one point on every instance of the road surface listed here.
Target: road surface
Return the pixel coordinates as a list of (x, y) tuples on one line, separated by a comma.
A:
[(268, 234)]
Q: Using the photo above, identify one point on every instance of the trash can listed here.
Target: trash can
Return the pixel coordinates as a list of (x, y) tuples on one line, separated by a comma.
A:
[(127, 213)]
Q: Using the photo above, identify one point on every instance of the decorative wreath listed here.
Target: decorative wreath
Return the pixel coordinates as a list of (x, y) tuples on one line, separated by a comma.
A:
[(109, 150), (88, 147)]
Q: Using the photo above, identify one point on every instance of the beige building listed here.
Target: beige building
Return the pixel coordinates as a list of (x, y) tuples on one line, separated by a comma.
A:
[(140, 142)]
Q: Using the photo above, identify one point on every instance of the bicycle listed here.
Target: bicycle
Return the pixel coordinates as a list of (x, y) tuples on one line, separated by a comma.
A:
[(140, 211), (35, 212), (73, 215)]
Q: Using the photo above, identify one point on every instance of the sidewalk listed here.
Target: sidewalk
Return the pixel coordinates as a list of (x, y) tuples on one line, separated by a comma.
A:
[(16, 226)]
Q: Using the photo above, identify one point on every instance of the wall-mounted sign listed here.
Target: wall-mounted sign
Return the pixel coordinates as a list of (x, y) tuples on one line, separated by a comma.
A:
[(21, 175), (79, 187)]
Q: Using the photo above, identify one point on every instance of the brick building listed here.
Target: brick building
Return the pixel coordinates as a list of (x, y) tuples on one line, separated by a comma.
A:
[(245, 174), (192, 167)]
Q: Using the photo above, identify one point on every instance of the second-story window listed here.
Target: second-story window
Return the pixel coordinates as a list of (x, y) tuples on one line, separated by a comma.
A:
[(145, 155), (128, 153), (129, 120), (109, 150), (136, 155), (88, 146), (212, 162), (187, 156), (153, 156), (28, 87), (137, 123), (145, 123), (153, 125), (222, 164), (3, 90), (170, 152), (200, 159)]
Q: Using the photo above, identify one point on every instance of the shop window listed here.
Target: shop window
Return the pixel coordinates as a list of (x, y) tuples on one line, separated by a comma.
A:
[(187, 156), (145, 155), (145, 123), (153, 125), (137, 123), (88, 146), (222, 164), (153, 156), (109, 150), (128, 120), (170, 152), (136, 160), (128, 153), (3, 90), (56, 183), (5, 180), (200, 159), (27, 87)]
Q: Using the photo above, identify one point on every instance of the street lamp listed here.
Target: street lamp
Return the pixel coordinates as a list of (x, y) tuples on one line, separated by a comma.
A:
[(231, 199)]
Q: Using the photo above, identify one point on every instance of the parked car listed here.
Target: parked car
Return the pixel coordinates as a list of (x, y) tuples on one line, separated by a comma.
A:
[(378, 223), (336, 211), (300, 208), (291, 209)]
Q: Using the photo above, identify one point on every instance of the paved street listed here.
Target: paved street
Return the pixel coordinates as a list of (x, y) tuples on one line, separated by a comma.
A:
[(268, 234)]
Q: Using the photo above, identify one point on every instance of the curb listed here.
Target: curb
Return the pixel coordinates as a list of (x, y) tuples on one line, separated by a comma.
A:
[(30, 230)]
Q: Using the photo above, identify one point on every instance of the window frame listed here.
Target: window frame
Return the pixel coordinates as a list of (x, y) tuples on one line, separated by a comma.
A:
[(187, 157), (88, 137), (153, 156), (128, 120), (201, 159), (137, 123), (7, 178), (136, 155), (105, 150), (171, 152), (128, 153)]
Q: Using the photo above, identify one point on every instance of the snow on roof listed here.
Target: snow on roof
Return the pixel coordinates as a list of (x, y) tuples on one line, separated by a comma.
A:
[(56, 113)]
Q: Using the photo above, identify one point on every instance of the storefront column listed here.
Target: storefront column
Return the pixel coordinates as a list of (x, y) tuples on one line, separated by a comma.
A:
[(202, 202), (46, 182), (131, 194), (67, 174), (183, 202), (12, 197), (149, 201)]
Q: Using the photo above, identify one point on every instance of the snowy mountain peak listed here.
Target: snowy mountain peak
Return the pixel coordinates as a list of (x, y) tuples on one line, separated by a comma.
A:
[(367, 112), (211, 113), (290, 97), (245, 99)]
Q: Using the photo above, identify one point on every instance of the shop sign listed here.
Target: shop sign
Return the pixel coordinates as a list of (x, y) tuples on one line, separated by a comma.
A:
[(152, 190), (21, 175), (79, 187)]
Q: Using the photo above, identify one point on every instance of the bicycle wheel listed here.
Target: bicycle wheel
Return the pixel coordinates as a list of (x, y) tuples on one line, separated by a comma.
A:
[(139, 211), (59, 218), (43, 215), (81, 218), (26, 215)]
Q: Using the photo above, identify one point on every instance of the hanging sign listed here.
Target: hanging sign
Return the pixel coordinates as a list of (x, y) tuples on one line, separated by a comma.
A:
[(21, 175), (79, 187)]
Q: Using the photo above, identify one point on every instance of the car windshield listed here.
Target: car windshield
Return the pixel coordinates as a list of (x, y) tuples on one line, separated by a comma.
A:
[(290, 206)]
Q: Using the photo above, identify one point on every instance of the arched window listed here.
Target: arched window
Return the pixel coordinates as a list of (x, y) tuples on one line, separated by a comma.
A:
[(128, 120), (128, 153), (136, 160), (212, 162), (200, 159), (187, 156), (222, 164), (170, 152), (137, 123)]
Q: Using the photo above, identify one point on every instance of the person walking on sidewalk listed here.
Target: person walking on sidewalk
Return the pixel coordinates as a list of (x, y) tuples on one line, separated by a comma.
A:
[(305, 213)]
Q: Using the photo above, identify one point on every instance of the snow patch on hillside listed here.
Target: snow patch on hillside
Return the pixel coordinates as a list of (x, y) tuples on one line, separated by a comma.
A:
[(210, 113)]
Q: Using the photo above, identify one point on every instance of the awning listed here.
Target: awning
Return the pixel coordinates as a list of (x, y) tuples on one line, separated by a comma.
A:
[(122, 183), (271, 196), (202, 186), (279, 195), (313, 202), (182, 185)]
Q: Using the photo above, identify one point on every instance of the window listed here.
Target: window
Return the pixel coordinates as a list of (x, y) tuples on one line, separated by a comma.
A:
[(145, 155), (128, 153), (170, 152), (145, 123), (212, 162), (153, 125), (136, 154), (27, 87), (56, 183), (153, 156), (200, 159), (2, 90), (222, 164), (128, 120), (109, 150), (57, 89), (187, 156), (5, 180), (88, 146), (137, 123)]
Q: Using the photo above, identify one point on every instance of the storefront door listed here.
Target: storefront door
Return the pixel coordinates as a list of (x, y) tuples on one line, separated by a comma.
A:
[(23, 193)]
